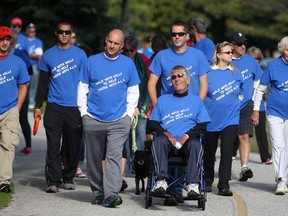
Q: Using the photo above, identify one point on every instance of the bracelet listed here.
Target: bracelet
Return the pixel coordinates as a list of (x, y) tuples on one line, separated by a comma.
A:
[(178, 145), (187, 136), (37, 107)]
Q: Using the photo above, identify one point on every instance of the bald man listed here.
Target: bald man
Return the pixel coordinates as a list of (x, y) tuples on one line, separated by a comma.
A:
[(108, 94)]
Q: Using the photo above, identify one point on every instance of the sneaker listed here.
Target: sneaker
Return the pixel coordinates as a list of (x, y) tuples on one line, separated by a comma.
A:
[(280, 188), (268, 161), (112, 201), (5, 188), (69, 186), (225, 192), (234, 159), (27, 151), (98, 200), (124, 185), (52, 189), (79, 173), (245, 173), (193, 190), (160, 187)]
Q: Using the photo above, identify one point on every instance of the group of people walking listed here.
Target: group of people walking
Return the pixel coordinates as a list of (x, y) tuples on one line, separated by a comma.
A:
[(207, 90)]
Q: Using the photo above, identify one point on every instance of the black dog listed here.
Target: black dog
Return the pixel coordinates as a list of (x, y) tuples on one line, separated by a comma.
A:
[(141, 168)]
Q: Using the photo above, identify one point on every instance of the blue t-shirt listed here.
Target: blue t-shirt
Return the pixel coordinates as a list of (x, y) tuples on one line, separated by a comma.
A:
[(64, 66), (33, 44), (250, 71), (108, 81), (177, 115), (276, 75), (222, 101), (13, 72), (194, 61), (207, 46), (21, 42)]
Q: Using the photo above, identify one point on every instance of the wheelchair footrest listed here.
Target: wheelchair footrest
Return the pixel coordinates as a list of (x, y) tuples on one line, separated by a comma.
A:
[(193, 197), (160, 195)]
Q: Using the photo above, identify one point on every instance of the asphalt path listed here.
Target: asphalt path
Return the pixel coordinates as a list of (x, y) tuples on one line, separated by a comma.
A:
[(254, 197)]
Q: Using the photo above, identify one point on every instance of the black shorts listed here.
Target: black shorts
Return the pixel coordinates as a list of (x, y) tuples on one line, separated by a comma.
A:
[(245, 123)]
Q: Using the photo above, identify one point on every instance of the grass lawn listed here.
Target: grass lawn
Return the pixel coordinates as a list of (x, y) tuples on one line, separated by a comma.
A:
[(5, 198)]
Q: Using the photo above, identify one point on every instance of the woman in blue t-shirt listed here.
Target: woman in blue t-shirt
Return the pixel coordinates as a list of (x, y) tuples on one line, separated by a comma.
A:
[(276, 75), (223, 105)]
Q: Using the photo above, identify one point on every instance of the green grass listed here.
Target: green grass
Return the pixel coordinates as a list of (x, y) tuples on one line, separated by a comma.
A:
[(5, 198)]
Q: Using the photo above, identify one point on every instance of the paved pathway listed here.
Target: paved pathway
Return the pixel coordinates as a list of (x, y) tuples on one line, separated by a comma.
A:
[(255, 197)]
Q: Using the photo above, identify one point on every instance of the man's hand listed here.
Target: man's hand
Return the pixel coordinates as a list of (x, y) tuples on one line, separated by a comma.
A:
[(183, 139), (171, 138), (37, 112), (255, 117)]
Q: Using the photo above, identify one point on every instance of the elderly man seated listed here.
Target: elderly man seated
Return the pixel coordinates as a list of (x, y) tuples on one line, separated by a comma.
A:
[(178, 119)]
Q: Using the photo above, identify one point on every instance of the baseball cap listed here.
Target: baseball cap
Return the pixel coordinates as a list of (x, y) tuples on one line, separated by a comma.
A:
[(16, 21), (5, 31), (238, 37)]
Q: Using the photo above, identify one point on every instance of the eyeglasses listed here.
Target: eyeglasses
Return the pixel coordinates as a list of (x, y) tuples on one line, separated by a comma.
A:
[(173, 77), (128, 50), (228, 52), (180, 34), (240, 44), (67, 32), (17, 26)]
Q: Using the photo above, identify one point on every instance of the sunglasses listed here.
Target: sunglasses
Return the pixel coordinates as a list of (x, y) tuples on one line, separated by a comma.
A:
[(128, 50), (17, 26), (180, 34), (240, 44), (67, 32), (228, 52), (173, 77)]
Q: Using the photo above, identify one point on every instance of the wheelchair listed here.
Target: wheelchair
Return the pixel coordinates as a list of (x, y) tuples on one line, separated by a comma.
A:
[(180, 181)]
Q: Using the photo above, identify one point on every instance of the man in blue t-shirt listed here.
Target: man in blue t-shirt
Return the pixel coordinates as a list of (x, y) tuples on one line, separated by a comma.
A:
[(13, 89), (251, 72), (59, 70), (108, 95), (179, 54), (203, 43), (178, 119)]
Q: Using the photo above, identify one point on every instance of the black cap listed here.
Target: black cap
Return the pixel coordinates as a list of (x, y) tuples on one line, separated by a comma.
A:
[(238, 37)]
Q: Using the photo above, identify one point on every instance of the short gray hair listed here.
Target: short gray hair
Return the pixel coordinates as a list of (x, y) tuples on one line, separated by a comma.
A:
[(199, 25), (180, 67), (282, 44)]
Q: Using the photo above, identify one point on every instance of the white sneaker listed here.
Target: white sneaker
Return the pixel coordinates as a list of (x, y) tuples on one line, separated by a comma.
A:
[(80, 173), (193, 189), (160, 187), (280, 188)]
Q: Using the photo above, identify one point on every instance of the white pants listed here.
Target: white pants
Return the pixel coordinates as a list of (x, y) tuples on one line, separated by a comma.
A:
[(278, 128)]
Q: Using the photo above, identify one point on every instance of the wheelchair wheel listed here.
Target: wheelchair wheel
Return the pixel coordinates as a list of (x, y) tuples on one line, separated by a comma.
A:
[(201, 204), (148, 198)]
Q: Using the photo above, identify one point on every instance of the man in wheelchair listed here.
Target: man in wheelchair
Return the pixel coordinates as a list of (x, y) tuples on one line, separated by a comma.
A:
[(178, 119)]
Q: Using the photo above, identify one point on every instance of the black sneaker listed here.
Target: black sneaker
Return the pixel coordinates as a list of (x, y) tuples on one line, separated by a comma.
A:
[(245, 173), (98, 200), (170, 201), (112, 201), (225, 192), (5, 188), (124, 185)]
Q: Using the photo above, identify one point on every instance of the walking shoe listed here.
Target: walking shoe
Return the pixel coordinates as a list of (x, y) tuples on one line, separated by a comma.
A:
[(5, 188), (80, 173), (112, 201), (98, 200), (268, 161), (27, 151), (170, 201), (245, 173), (69, 186), (193, 190), (124, 185), (52, 189), (280, 188), (225, 192), (160, 187)]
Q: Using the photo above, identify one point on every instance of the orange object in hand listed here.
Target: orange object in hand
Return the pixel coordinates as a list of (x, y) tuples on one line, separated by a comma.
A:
[(36, 125)]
